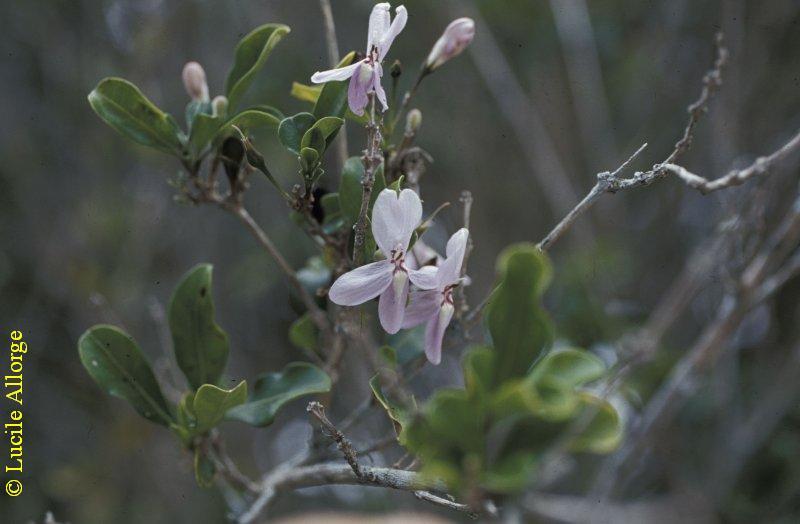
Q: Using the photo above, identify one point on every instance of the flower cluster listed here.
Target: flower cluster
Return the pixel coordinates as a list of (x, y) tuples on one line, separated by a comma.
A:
[(395, 217), (365, 75)]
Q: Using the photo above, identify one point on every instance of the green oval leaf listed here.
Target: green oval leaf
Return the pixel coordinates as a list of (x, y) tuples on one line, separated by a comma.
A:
[(204, 127), (350, 189), (521, 330), (123, 106), (292, 129), (307, 93), (211, 403), (273, 390), (251, 54), (569, 367), (303, 334), (115, 362), (251, 119), (604, 433), (201, 346), (398, 415), (321, 133)]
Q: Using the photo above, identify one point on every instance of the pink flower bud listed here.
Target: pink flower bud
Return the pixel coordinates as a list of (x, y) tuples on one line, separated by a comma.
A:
[(456, 37), (194, 80)]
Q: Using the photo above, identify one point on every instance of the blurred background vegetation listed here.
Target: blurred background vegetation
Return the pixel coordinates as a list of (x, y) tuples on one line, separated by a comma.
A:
[(91, 234)]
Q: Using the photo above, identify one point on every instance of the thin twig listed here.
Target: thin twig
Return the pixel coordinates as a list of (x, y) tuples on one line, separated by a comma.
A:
[(611, 183), (372, 159), (735, 177), (440, 501), (605, 181), (317, 315), (344, 445)]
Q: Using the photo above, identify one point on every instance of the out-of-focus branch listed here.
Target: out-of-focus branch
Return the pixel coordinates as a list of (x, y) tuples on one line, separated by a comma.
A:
[(778, 399), (578, 46), (332, 46), (526, 122), (753, 287)]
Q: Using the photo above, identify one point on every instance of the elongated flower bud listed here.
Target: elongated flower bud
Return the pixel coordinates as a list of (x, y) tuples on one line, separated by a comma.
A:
[(219, 106), (413, 121), (456, 37), (194, 80)]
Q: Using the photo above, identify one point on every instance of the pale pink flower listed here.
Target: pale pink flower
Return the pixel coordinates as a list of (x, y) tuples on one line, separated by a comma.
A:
[(434, 306), (456, 37), (365, 75), (394, 219)]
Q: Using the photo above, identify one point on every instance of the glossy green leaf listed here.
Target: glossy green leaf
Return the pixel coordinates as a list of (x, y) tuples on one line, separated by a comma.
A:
[(186, 421), (201, 346), (479, 372), (569, 367), (350, 189), (455, 421), (314, 275), (321, 133), (273, 390), (520, 328), (332, 98), (408, 343), (604, 432), (115, 362), (292, 129), (248, 121), (204, 128), (396, 413), (307, 93), (330, 207), (304, 334), (251, 54), (211, 403), (196, 108), (204, 469), (511, 473), (309, 158), (122, 106)]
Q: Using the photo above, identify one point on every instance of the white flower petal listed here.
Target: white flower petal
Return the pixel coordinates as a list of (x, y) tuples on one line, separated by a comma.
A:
[(378, 24), (392, 304), (341, 73), (386, 221), (411, 209), (360, 83), (399, 22), (421, 307), (434, 333), (362, 284), (424, 278), (450, 268), (379, 92)]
